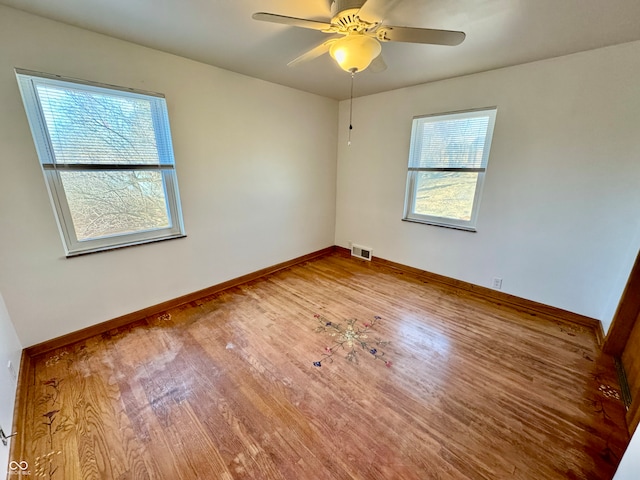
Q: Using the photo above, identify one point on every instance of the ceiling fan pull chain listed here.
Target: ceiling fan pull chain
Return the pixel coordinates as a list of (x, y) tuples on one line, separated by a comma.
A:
[(353, 74)]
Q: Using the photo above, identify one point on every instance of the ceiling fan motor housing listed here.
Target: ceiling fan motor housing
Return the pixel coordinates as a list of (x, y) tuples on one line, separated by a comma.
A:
[(338, 6)]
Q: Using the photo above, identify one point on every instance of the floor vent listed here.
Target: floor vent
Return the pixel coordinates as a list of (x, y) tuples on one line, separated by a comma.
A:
[(361, 252)]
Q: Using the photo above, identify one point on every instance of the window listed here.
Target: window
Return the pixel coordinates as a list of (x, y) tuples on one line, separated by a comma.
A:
[(107, 159), (447, 163)]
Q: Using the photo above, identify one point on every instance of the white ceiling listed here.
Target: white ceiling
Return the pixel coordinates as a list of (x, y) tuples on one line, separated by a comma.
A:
[(222, 33)]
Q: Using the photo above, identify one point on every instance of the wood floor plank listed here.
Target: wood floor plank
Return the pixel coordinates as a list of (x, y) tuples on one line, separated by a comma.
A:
[(450, 386)]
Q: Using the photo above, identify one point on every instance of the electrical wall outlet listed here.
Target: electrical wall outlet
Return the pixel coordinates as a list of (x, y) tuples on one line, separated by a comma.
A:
[(496, 283)]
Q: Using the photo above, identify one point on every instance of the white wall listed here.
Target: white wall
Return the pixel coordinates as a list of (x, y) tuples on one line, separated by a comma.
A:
[(559, 215), (629, 468), (256, 165), (10, 351)]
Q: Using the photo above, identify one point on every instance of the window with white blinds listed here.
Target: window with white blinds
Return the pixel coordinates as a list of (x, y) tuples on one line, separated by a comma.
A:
[(107, 158), (447, 163)]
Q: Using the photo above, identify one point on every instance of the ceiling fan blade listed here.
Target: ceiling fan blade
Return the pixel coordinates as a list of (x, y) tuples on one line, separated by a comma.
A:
[(313, 53), (293, 21), (377, 65), (420, 35), (376, 10)]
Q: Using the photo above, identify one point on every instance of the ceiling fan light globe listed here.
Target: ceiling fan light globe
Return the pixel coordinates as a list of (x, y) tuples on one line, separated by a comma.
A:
[(355, 52)]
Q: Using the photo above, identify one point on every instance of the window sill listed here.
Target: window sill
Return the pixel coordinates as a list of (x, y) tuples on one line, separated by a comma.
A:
[(444, 225), (124, 245)]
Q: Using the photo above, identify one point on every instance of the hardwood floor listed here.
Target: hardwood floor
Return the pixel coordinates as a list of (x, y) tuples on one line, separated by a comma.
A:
[(226, 388)]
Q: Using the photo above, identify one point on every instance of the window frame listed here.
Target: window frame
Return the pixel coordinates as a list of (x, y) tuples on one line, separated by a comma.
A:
[(27, 81), (413, 172)]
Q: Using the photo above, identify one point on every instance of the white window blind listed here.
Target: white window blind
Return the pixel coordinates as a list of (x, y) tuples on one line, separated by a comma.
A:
[(89, 126), (450, 144)]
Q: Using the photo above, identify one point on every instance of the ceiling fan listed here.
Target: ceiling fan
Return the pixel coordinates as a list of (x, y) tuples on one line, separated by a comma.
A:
[(355, 44)]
